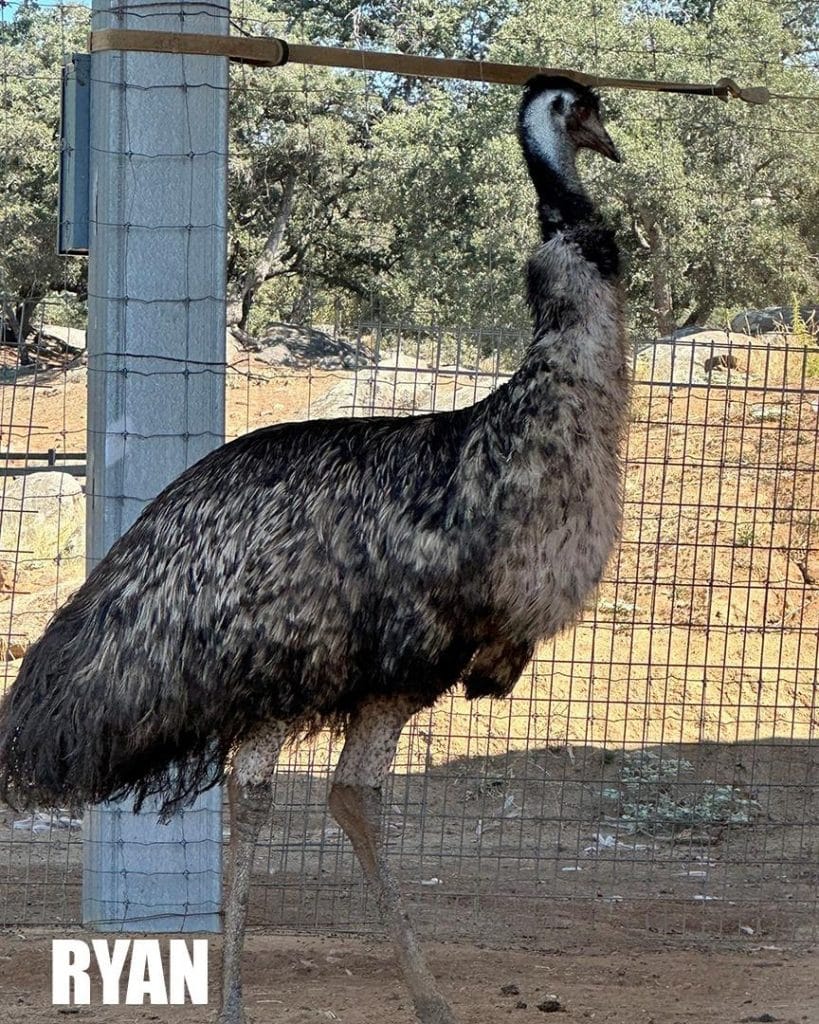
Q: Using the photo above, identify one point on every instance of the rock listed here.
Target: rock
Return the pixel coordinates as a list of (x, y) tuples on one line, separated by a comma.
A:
[(43, 517), (510, 990), (768, 412), (374, 395), (810, 566), (551, 1004), (16, 649), (405, 359), (276, 355), (691, 332), (470, 394), (693, 356), (23, 617), (775, 320), (69, 337), (291, 345)]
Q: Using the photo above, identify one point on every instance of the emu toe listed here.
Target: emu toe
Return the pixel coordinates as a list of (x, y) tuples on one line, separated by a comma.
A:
[(232, 1011), (434, 1010), (236, 1016)]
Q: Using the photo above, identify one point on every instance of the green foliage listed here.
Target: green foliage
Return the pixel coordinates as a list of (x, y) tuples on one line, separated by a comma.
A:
[(799, 329), (32, 45), (358, 197), (656, 797), (799, 333), (715, 204), (711, 199)]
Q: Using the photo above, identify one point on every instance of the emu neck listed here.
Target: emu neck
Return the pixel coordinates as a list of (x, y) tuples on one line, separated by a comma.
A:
[(578, 352), (562, 200)]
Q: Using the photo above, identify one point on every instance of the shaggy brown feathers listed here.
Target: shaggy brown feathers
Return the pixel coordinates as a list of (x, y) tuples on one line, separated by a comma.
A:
[(304, 568)]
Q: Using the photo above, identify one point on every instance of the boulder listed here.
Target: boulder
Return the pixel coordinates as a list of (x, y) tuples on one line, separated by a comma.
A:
[(770, 413), (390, 359), (693, 356), (369, 395), (775, 320), (70, 338), (468, 393), (292, 345), (42, 516), (24, 616)]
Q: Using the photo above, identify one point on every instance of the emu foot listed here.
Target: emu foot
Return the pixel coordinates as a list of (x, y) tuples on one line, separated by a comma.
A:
[(433, 1010), (232, 1017), (237, 1016), (232, 1011)]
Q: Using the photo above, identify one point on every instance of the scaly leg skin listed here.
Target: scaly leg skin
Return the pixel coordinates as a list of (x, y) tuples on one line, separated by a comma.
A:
[(356, 804), (251, 795)]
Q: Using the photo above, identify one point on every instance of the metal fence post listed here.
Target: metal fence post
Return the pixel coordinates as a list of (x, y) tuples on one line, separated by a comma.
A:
[(156, 337)]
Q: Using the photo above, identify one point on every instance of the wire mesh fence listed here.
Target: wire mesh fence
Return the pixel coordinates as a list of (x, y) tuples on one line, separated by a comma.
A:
[(656, 767)]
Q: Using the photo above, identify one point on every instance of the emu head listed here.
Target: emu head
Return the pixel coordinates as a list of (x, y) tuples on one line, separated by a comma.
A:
[(558, 117)]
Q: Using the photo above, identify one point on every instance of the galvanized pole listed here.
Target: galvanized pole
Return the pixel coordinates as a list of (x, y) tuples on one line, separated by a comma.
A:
[(156, 339)]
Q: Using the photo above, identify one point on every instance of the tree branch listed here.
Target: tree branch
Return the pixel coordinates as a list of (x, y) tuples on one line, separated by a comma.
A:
[(240, 305)]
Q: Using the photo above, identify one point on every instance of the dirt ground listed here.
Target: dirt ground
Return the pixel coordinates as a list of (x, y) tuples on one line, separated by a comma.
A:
[(560, 839), (298, 980), (701, 647), (707, 625)]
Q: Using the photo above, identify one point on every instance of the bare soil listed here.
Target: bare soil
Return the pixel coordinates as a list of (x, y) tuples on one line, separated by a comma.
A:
[(508, 843), (701, 646), (707, 625), (300, 979)]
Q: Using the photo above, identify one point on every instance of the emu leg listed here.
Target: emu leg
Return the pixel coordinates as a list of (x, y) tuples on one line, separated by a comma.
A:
[(251, 795), (356, 804)]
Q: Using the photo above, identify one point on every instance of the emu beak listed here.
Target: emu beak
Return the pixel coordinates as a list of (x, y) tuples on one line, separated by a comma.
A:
[(602, 143), (587, 132)]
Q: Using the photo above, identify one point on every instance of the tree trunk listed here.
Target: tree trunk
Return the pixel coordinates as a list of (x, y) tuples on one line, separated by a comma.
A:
[(652, 237), (241, 303), (18, 323), (698, 315)]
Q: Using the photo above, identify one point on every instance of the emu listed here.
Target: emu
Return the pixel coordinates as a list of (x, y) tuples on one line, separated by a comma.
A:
[(347, 573)]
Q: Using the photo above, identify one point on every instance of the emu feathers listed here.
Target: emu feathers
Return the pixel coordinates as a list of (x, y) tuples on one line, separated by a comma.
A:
[(303, 570)]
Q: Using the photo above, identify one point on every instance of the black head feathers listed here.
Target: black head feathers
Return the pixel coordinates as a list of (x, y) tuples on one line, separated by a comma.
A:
[(558, 117), (539, 84)]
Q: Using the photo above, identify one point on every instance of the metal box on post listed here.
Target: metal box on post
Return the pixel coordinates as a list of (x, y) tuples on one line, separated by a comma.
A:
[(75, 121)]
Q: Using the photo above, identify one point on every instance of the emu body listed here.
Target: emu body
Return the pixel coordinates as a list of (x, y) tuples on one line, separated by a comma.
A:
[(346, 573)]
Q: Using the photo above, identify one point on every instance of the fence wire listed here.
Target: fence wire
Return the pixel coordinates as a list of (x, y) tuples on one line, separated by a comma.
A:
[(655, 768)]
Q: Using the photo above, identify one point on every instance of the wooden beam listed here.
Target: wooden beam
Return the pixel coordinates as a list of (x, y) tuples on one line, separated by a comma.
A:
[(269, 52)]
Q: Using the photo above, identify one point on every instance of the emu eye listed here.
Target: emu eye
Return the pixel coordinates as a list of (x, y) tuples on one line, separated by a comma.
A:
[(557, 104)]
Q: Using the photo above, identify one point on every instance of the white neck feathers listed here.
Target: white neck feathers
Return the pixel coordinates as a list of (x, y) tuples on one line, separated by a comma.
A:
[(547, 139)]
